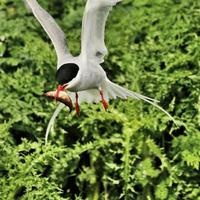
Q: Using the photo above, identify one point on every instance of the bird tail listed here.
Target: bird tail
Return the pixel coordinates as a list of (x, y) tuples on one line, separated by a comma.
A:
[(52, 120), (112, 91)]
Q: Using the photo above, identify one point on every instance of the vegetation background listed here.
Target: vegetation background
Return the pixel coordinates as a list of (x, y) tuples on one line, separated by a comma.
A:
[(131, 152)]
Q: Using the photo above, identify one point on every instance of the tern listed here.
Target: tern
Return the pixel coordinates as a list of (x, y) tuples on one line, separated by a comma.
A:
[(83, 76)]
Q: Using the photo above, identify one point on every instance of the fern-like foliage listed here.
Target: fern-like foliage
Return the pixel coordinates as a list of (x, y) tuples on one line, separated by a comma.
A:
[(130, 152)]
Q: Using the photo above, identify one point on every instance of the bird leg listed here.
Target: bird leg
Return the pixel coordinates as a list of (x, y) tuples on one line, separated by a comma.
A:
[(77, 105), (103, 101), (59, 89)]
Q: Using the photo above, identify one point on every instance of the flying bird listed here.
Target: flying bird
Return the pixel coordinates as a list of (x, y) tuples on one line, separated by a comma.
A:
[(83, 77)]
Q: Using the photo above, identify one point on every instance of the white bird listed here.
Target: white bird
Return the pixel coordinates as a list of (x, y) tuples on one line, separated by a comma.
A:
[(83, 76)]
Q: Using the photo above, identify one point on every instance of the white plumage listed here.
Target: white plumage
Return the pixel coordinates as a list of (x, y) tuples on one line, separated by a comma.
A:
[(90, 78)]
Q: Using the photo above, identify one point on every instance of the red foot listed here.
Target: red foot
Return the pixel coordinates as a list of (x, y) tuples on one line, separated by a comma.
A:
[(103, 101), (77, 105), (59, 89)]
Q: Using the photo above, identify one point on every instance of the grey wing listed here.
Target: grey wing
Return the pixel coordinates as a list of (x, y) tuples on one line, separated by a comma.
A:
[(93, 28), (55, 33)]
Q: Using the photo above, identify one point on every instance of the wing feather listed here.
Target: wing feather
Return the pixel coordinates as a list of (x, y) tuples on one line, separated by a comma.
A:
[(55, 33), (93, 28)]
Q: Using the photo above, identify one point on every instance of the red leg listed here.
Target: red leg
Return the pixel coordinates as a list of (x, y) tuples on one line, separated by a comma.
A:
[(59, 89), (103, 101), (77, 105)]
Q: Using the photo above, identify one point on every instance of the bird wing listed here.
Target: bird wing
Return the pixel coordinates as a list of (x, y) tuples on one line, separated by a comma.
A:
[(55, 33), (93, 28)]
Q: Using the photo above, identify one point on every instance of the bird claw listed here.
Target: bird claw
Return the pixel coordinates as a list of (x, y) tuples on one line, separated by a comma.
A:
[(77, 109), (103, 101), (105, 104), (77, 105)]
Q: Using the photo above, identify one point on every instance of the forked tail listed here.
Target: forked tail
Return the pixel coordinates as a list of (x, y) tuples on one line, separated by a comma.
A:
[(112, 91)]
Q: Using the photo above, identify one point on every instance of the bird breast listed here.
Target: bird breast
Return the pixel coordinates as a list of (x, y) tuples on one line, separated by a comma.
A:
[(88, 78)]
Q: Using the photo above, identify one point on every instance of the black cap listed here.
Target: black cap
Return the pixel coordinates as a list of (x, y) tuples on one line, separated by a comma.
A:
[(66, 73)]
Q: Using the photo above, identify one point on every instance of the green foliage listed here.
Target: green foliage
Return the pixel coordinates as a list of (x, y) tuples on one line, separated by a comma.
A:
[(131, 152)]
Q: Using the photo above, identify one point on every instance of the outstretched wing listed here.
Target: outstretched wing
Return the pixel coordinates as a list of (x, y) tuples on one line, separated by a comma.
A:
[(93, 28), (52, 29)]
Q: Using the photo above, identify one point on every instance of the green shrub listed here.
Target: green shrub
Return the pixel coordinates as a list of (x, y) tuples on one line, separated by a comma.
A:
[(131, 152)]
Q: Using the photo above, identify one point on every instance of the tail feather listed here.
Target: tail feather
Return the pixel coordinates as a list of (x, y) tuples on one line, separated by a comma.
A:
[(52, 120), (124, 93), (113, 90)]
